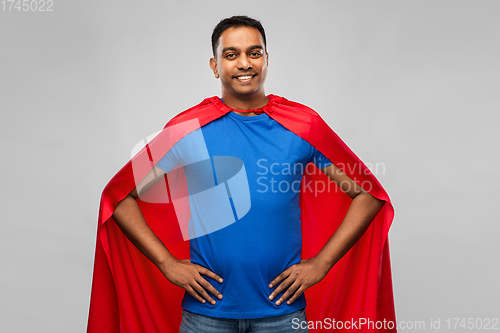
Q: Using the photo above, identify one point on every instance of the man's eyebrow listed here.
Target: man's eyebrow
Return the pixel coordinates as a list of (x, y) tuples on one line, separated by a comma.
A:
[(230, 48), (253, 47)]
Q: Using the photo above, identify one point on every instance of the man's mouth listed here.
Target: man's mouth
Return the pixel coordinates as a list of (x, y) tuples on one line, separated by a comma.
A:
[(244, 78)]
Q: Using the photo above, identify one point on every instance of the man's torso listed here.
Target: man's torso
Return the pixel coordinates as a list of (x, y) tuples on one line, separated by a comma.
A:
[(258, 246)]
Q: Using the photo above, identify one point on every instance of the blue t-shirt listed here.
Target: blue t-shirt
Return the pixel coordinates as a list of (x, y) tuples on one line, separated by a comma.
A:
[(266, 237)]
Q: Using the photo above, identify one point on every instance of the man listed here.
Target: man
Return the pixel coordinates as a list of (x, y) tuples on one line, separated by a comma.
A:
[(240, 275)]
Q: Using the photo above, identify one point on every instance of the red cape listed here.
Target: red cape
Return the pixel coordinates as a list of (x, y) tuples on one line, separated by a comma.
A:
[(129, 294)]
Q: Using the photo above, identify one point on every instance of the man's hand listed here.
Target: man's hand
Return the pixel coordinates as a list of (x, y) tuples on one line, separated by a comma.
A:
[(297, 278), (186, 275)]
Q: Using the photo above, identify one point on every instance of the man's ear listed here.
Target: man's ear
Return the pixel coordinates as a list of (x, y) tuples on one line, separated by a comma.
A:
[(213, 66), (267, 59)]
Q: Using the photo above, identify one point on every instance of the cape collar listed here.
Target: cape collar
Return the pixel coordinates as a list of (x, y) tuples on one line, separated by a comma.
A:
[(268, 108)]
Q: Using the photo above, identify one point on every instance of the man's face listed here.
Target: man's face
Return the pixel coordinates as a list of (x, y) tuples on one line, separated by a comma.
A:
[(241, 62)]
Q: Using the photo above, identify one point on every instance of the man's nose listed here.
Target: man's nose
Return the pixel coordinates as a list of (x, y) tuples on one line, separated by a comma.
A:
[(244, 62)]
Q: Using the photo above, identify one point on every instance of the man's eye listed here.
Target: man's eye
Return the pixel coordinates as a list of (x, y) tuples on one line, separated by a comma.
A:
[(256, 54), (230, 55)]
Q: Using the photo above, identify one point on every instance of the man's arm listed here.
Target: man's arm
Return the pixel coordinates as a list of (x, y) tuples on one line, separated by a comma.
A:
[(364, 207), (182, 273)]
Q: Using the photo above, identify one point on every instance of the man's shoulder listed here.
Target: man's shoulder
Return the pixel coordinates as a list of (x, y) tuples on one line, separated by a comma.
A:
[(298, 114), (284, 103), (201, 110), (209, 102)]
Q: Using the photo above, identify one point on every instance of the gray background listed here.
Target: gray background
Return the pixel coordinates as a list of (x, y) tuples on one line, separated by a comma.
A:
[(413, 85)]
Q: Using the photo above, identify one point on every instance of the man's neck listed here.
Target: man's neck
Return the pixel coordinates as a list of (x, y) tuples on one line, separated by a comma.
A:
[(254, 102)]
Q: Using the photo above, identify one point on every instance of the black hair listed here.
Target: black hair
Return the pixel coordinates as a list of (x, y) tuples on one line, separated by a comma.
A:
[(235, 21)]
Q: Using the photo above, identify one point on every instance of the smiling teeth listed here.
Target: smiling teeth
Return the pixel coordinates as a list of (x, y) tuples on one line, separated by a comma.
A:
[(244, 77)]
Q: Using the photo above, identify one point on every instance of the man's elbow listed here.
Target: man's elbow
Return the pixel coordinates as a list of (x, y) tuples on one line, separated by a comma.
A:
[(134, 194), (370, 202), (375, 204)]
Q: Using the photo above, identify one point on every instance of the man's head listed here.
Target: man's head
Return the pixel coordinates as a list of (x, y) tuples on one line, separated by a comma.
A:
[(240, 57), (235, 21)]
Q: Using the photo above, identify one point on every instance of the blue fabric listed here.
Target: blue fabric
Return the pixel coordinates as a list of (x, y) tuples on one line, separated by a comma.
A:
[(249, 253), (195, 323)]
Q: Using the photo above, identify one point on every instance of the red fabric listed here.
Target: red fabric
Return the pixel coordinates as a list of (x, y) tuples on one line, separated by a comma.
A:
[(129, 294)]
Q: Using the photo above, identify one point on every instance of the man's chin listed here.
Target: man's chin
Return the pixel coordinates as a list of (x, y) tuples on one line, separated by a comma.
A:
[(245, 93)]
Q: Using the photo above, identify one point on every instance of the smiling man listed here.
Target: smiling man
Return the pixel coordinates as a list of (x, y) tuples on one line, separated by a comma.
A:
[(240, 62), (249, 276)]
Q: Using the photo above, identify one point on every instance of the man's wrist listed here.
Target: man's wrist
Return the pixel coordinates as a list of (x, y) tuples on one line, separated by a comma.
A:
[(166, 262), (323, 262)]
